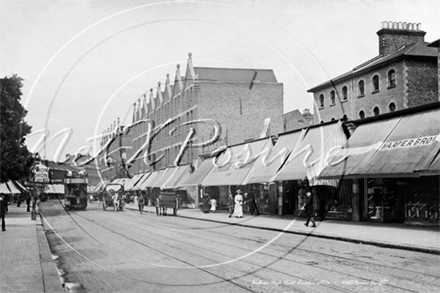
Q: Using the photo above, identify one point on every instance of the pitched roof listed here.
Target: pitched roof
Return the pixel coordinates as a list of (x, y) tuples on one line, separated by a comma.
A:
[(420, 49), (235, 75)]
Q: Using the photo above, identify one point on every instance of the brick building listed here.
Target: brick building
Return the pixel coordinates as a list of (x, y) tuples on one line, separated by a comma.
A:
[(295, 120), (403, 75), (238, 100)]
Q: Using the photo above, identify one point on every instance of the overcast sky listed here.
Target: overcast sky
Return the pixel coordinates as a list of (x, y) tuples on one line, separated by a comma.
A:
[(86, 62)]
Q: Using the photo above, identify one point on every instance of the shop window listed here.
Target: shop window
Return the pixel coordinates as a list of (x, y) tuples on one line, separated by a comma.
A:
[(391, 78), (344, 93), (361, 88), (361, 114), (376, 111), (321, 100), (375, 82), (332, 97), (392, 107)]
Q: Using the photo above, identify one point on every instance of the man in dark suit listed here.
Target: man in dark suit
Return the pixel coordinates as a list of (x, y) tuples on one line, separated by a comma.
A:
[(3, 209), (308, 207)]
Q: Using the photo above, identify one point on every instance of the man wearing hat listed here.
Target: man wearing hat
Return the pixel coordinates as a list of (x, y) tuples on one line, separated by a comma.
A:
[(308, 207)]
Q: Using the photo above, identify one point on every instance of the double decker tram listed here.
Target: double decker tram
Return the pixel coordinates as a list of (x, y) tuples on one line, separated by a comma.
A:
[(75, 191)]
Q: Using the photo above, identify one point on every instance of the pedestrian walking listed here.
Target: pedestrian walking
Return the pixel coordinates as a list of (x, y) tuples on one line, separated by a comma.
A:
[(231, 204), (206, 203), (3, 209), (28, 202), (19, 199), (238, 209), (141, 203), (308, 207), (253, 208)]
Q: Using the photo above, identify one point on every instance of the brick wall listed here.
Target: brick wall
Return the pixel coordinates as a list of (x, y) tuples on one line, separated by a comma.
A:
[(422, 82), (239, 110)]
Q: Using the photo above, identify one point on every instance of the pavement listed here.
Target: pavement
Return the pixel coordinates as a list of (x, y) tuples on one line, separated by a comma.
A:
[(26, 263), (399, 236)]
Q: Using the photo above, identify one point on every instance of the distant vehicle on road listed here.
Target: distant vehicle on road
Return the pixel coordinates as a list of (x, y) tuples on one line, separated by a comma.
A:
[(75, 191), (112, 196)]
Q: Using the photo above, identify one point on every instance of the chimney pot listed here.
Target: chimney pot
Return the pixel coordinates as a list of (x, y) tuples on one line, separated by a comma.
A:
[(405, 26), (390, 24), (419, 26), (400, 25)]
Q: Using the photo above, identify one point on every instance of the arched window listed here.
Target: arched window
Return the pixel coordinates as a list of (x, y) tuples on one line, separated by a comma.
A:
[(375, 83), (392, 107), (332, 97), (391, 78), (376, 111), (321, 100), (361, 114), (344, 93), (361, 88)]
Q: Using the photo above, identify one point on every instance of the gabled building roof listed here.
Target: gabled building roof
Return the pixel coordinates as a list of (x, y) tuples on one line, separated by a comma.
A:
[(235, 75), (420, 49)]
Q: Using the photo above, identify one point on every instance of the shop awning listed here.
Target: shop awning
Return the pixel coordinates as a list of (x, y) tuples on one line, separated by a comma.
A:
[(163, 178), (12, 187), (130, 182), (400, 146), (359, 149), (408, 148), (268, 164), (234, 164), (307, 152), (180, 174), (4, 188), (199, 174), (139, 181), (150, 180)]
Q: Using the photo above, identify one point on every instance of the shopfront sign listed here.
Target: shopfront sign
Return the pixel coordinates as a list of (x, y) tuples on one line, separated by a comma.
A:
[(41, 173), (411, 142)]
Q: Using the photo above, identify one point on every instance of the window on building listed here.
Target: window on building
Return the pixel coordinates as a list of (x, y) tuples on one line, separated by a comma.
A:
[(392, 107), (375, 83), (376, 111), (361, 88), (391, 78), (361, 114), (344, 93), (332, 97), (321, 100)]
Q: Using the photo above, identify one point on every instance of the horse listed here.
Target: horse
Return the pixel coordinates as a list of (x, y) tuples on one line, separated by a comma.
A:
[(116, 201)]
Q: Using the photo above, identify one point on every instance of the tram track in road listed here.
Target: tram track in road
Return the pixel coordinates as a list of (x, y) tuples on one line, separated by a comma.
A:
[(160, 224), (304, 280), (314, 265), (220, 278), (297, 247)]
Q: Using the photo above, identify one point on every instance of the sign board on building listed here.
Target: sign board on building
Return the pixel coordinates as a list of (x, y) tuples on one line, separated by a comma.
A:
[(41, 173)]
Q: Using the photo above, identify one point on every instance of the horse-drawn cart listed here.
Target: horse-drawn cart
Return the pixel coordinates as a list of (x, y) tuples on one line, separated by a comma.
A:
[(167, 200), (112, 197)]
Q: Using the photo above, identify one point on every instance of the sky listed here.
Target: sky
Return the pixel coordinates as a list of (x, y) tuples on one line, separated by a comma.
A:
[(84, 63)]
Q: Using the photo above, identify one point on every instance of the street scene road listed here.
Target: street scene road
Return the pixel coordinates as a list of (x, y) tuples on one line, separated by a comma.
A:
[(107, 251)]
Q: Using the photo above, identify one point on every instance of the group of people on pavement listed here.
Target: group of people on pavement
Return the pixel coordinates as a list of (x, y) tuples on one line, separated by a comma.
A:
[(234, 203)]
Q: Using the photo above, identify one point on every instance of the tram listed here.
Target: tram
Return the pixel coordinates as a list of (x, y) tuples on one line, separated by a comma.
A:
[(75, 191)]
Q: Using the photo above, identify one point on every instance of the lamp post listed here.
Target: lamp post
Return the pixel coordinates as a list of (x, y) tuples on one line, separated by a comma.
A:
[(34, 170)]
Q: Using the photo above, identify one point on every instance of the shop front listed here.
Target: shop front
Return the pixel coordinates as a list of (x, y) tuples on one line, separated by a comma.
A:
[(389, 162)]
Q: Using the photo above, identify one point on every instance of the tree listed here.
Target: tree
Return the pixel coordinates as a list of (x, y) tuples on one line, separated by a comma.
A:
[(16, 159)]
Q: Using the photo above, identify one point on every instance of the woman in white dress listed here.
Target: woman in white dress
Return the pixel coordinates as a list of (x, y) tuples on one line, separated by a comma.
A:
[(238, 210)]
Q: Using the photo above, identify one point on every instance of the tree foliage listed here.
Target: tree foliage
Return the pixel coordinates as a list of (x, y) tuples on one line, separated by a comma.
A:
[(15, 157)]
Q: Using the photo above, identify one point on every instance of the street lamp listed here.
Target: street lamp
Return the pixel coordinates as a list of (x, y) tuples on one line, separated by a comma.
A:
[(34, 170)]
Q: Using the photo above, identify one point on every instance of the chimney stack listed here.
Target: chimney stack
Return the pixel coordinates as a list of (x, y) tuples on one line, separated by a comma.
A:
[(394, 35)]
